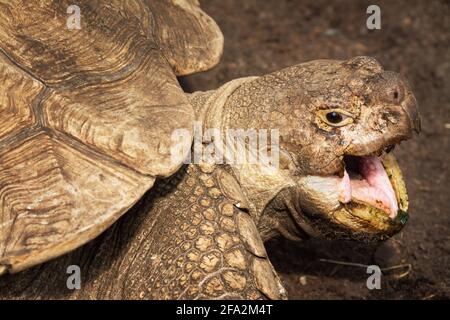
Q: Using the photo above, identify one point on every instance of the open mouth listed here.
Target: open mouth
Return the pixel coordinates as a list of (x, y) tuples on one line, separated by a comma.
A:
[(375, 181), (367, 199)]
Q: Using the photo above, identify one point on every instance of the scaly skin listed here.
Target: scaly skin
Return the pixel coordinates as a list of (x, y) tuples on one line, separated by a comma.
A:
[(203, 246), (185, 240)]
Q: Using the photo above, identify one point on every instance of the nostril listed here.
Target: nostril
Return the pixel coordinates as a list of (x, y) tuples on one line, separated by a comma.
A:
[(391, 87), (395, 94)]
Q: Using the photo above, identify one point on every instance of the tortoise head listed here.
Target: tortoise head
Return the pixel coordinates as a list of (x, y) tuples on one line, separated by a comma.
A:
[(337, 123)]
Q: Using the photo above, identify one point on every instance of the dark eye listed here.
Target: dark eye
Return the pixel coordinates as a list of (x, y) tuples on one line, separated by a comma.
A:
[(334, 117)]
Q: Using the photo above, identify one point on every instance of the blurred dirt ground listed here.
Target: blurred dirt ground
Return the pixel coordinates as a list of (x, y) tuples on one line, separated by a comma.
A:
[(263, 36)]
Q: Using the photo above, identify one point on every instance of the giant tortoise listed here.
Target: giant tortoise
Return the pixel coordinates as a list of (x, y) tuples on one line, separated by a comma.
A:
[(92, 118)]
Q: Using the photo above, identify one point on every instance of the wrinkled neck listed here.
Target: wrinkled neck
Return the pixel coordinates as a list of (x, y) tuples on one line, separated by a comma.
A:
[(258, 184), (283, 216), (209, 105)]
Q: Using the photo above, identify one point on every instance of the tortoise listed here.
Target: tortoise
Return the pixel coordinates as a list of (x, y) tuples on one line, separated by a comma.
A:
[(94, 118)]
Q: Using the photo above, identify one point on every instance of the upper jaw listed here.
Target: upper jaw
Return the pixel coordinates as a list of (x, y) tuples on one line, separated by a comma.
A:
[(393, 124)]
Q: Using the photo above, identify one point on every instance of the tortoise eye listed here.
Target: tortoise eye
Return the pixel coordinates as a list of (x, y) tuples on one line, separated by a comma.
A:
[(336, 117)]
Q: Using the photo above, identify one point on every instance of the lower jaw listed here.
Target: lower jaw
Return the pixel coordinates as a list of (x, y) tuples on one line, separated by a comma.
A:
[(368, 219)]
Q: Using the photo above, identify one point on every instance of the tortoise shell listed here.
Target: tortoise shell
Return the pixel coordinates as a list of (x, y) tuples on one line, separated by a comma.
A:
[(86, 115)]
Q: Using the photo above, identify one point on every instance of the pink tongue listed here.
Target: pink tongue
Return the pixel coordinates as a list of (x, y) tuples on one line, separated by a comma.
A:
[(374, 188)]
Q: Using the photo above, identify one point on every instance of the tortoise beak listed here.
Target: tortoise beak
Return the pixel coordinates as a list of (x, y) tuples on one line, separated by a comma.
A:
[(412, 110)]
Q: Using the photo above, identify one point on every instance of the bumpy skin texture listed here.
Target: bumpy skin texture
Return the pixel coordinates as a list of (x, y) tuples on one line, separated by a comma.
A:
[(380, 111), (381, 101), (186, 240), (204, 246)]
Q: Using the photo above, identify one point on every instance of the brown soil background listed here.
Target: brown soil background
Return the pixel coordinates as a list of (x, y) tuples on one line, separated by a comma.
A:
[(263, 36)]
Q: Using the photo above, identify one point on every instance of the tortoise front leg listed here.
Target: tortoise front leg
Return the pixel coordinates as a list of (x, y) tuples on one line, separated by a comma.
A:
[(204, 247), (185, 240)]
